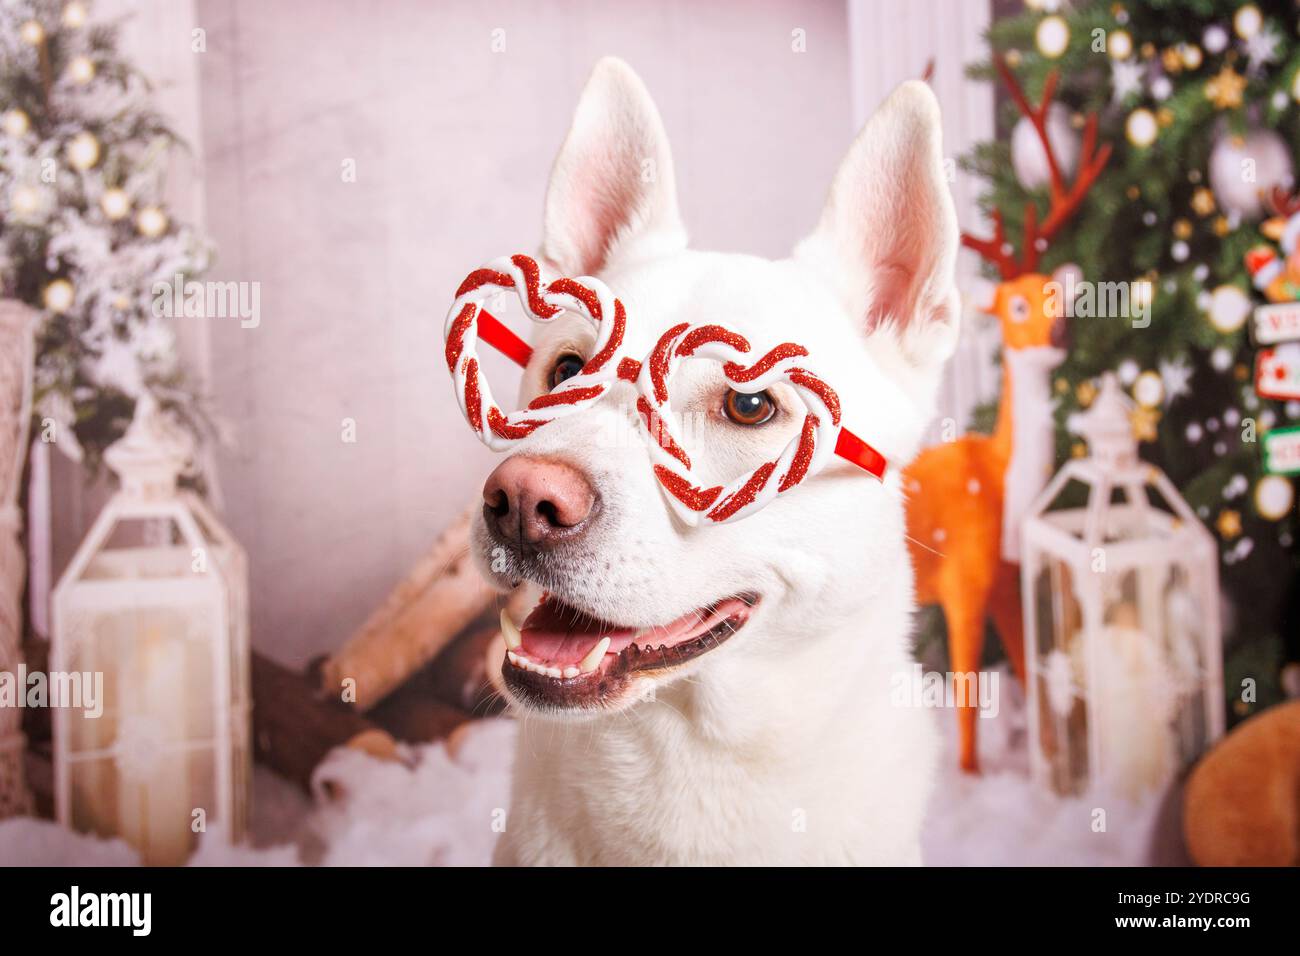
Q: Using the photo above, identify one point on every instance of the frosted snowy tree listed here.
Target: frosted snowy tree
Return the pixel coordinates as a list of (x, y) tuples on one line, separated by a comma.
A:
[(84, 232)]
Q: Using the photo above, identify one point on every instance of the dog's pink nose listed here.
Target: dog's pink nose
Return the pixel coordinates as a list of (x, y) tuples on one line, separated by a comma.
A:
[(537, 501)]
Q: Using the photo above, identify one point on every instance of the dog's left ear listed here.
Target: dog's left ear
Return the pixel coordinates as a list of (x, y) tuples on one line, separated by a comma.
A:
[(888, 233)]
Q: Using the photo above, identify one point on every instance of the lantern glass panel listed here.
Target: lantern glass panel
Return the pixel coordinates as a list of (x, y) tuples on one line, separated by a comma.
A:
[(1061, 710)]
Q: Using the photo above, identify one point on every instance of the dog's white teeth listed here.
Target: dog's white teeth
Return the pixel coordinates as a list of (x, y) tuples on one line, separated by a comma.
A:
[(510, 632), (594, 656), (514, 658), (571, 671)]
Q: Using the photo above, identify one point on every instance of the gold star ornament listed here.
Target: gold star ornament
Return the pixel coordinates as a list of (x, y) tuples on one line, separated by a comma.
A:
[(1225, 88)]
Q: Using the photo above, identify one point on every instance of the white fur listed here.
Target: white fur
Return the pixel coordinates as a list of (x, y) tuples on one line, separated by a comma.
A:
[(780, 746)]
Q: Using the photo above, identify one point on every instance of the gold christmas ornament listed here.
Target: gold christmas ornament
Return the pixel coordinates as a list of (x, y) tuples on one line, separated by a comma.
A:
[(1221, 226), (1274, 496), (1228, 524), (115, 203), (1148, 50), (1013, 58), (1052, 37), (1202, 202), (16, 123), (32, 33), (1133, 192), (1085, 392), (1247, 21), (1182, 229), (59, 295), (1225, 88), (83, 151), (1141, 128), (1149, 390), (151, 221), (1171, 60), (1191, 55), (1144, 422), (75, 15), (81, 70), (1119, 45), (1165, 117), (1078, 450)]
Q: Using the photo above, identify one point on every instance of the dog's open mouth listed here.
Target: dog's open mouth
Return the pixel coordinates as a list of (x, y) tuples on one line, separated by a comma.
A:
[(564, 657)]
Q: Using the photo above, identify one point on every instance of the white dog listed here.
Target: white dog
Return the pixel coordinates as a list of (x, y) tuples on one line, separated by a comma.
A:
[(740, 710)]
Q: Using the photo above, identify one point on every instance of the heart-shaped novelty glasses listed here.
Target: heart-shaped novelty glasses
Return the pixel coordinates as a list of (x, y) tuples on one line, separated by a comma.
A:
[(744, 369)]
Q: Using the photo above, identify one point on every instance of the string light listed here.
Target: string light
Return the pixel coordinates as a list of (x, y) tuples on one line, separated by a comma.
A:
[(115, 203), (81, 70), (75, 15), (83, 151), (32, 33), (25, 200), (1119, 45), (151, 221), (16, 123), (59, 295)]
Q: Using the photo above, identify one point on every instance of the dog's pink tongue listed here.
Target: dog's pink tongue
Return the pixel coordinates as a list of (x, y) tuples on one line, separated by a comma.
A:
[(557, 634)]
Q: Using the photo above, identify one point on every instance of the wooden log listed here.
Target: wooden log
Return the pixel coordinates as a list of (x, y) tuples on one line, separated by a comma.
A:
[(294, 726), (442, 594)]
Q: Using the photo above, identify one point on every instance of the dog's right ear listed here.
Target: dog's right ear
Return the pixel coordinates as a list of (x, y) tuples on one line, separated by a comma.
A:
[(612, 186)]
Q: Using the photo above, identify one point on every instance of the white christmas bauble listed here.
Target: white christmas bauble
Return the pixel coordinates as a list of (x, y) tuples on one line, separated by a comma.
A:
[(1274, 497), (1180, 251), (1161, 87), (1052, 37), (1229, 307), (1128, 372), (1119, 44), (1028, 157), (1215, 39), (1149, 390), (1221, 359), (1243, 168), (1247, 21), (1141, 127)]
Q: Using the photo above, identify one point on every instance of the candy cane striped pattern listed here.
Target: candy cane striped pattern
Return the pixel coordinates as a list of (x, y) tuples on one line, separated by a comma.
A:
[(521, 274), (803, 457)]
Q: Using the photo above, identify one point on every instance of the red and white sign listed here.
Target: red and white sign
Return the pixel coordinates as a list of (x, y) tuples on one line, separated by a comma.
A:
[(1277, 372), (1277, 323)]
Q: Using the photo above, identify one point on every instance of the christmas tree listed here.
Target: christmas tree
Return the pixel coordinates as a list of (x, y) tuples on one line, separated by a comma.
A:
[(84, 232), (1200, 100)]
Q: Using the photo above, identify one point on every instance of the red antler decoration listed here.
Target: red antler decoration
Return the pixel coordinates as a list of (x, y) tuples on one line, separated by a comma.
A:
[(1065, 200), (1284, 203)]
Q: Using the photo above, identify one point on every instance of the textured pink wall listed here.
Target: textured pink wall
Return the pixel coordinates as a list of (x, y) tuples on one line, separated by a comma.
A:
[(453, 144)]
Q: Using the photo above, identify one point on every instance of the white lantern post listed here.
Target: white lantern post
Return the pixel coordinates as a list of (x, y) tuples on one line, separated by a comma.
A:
[(154, 604), (1121, 610)]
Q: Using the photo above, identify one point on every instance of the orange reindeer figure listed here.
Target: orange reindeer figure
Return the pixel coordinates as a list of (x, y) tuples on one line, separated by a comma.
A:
[(966, 497)]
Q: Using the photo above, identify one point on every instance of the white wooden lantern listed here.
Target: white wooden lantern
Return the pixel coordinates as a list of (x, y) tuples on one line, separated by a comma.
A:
[(1121, 608), (155, 601)]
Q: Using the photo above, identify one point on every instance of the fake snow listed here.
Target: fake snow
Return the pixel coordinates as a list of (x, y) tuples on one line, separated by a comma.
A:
[(438, 807)]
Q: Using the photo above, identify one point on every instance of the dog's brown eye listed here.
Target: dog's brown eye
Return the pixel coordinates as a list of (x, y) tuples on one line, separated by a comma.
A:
[(566, 366), (748, 409)]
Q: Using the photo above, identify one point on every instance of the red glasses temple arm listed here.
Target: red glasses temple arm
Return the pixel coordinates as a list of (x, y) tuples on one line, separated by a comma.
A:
[(848, 446)]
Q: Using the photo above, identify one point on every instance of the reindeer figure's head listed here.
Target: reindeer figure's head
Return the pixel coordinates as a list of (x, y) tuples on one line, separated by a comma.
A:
[(1028, 304)]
